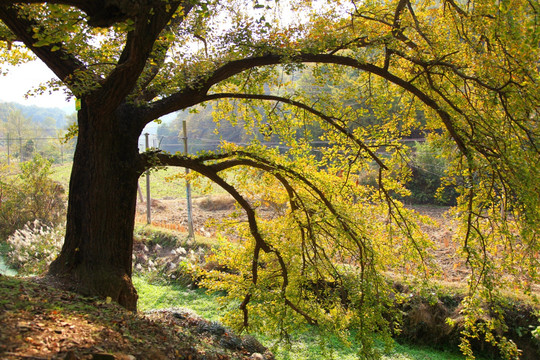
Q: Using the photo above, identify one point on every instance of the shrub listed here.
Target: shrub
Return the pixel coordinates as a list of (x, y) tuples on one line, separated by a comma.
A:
[(34, 247), (161, 255), (217, 202), (428, 167), (29, 195)]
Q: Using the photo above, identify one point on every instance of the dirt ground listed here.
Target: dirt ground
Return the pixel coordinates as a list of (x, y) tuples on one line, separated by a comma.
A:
[(42, 322), (172, 213)]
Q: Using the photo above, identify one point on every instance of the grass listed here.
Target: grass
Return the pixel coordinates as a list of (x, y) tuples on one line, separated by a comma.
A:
[(303, 346), (4, 268), (156, 296), (61, 174)]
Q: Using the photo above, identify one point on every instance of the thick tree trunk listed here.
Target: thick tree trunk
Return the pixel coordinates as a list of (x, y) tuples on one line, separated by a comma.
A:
[(96, 255)]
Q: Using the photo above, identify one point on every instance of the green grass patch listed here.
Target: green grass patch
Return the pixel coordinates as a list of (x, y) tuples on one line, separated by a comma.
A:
[(306, 345), (159, 296), (161, 186), (4, 268), (309, 345), (61, 174), (406, 352)]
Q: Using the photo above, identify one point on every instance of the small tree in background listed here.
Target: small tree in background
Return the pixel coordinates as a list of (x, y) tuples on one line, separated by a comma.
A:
[(28, 195)]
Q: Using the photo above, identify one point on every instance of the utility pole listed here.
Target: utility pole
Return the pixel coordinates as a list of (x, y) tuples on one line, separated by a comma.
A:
[(148, 216), (188, 188), (61, 152), (8, 161)]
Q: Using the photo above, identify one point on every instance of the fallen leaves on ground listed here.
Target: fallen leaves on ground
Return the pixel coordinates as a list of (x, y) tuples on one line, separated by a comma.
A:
[(42, 322)]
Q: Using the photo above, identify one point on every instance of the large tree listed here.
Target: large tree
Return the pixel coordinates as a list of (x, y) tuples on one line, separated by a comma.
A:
[(470, 67)]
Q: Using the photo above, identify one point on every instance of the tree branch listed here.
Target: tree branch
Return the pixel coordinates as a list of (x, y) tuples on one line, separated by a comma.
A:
[(101, 13), (62, 63), (397, 30), (332, 121), (193, 96), (459, 10), (246, 159), (156, 60), (140, 41)]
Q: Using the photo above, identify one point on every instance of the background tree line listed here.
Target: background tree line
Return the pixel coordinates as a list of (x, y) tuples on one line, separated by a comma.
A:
[(27, 130)]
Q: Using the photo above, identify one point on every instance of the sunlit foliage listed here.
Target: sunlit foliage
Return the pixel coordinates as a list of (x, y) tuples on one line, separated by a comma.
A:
[(463, 73)]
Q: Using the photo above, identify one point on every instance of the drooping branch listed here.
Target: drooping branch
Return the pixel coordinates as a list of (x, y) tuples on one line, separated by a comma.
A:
[(239, 158), (197, 165), (248, 159)]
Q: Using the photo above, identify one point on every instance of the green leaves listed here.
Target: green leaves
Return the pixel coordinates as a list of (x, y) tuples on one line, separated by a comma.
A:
[(328, 143)]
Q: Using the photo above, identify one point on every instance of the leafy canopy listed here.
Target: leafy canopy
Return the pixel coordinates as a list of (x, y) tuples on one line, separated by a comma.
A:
[(470, 69)]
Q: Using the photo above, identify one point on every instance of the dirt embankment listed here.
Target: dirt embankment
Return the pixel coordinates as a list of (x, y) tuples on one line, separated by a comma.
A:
[(44, 322)]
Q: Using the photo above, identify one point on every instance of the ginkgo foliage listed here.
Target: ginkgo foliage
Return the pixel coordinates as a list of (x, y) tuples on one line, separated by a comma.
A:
[(464, 73)]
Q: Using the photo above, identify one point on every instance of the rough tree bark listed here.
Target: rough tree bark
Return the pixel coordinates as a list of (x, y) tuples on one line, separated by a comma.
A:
[(96, 255)]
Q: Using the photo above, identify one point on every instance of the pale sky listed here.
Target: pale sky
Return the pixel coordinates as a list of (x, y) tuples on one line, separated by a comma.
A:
[(25, 77)]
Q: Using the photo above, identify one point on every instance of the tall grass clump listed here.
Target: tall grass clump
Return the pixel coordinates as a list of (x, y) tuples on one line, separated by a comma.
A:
[(34, 247)]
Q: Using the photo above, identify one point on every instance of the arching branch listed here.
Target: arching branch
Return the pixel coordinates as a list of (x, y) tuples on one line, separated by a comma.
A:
[(193, 96), (207, 166), (247, 159), (211, 172)]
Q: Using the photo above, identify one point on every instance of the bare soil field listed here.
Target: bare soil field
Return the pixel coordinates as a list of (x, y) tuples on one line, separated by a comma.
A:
[(172, 213)]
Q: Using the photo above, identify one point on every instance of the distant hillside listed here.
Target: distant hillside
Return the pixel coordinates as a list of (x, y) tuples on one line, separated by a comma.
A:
[(39, 115)]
